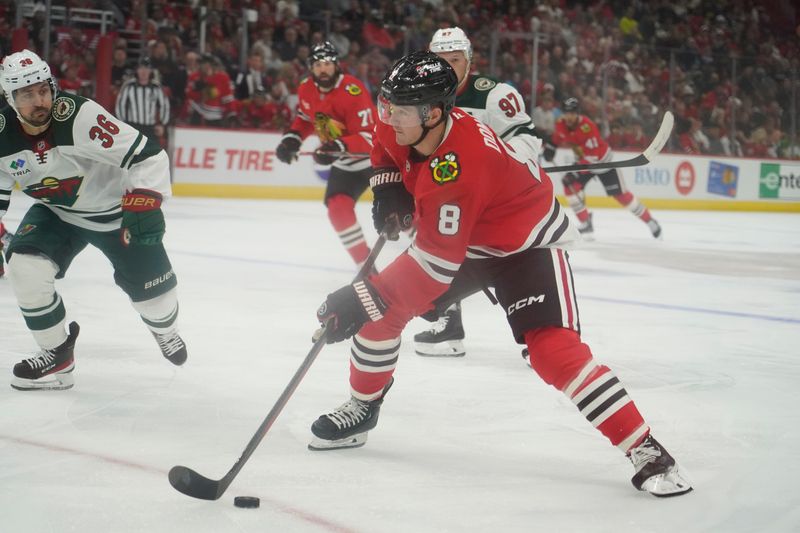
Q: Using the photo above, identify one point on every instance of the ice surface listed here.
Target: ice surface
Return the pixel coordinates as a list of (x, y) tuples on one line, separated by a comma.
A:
[(702, 328)]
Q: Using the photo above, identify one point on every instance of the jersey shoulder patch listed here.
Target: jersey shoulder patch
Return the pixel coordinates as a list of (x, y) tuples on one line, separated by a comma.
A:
[(2, 123), (353, 89), (63, 109), (484, 83)]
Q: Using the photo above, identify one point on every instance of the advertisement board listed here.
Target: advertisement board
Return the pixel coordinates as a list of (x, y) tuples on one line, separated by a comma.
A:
[(231, 163)]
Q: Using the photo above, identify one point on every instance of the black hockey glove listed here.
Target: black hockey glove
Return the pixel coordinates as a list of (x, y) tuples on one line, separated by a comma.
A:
[(142, 219), (549, 151), (349, 308), (289, 146), (326, 154), (391, 198)]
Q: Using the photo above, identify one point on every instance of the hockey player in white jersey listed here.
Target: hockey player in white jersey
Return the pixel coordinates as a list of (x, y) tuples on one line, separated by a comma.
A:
[(501, 107), (95, 180)]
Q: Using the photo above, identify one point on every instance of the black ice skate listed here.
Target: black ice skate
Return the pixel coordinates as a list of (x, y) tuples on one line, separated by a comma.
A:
[(347, 426), (656, 470), (444, 338), (49, 369), (586, 229), (655, 228), (172, 346)]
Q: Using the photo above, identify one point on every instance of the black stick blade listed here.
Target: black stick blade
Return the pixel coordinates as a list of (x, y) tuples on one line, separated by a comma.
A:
[(192, 484)]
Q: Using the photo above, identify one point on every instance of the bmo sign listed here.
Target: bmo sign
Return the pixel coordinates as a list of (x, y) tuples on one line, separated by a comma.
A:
[(651, 176), (685, 178)]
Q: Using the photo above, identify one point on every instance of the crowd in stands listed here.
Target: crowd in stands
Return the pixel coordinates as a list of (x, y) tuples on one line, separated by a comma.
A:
[(728, 69)]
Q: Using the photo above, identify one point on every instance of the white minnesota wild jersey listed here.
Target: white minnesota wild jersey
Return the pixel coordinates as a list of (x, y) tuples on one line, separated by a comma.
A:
[(82, 165), (501, 107)]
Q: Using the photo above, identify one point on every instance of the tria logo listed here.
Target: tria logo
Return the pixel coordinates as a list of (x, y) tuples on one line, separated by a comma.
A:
[(18, 164), (55, 191)]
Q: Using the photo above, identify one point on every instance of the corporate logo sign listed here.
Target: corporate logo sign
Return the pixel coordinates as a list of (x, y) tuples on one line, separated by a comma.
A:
[(779, 181), (723, 179), (684, 178), (651, 176)]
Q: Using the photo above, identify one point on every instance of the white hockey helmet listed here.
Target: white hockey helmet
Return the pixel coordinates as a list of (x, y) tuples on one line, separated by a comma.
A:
[(451, 40), (22, 69)]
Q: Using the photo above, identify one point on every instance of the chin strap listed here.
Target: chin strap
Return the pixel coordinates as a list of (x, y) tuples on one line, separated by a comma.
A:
[(426, 130)]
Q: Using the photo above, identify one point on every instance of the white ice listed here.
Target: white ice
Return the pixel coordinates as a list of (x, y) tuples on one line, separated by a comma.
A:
[(702, 328)]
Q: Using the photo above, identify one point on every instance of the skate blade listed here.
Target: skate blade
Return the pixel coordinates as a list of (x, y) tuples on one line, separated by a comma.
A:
[(355, 441), (61, 381), (666, 485), (440, 349)]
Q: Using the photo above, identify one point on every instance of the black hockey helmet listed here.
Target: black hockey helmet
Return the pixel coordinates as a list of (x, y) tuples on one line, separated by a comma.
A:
[(324, 51), (570, 105), (420, 79)]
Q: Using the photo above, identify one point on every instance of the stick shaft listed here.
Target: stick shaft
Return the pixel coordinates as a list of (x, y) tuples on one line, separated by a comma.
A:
[(201, 487), (658, 142)]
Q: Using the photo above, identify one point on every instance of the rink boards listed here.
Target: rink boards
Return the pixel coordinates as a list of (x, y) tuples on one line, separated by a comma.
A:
[(242, 164)]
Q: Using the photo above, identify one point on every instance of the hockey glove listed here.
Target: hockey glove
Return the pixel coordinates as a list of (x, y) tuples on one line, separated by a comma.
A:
[(289, 146), (391, 198), (549, 151), (326, 154), (142, 219), (349, 308)]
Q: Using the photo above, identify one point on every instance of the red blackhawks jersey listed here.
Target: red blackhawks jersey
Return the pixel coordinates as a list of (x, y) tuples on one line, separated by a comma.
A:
[(584, 139), (346, 112), (475, 198)]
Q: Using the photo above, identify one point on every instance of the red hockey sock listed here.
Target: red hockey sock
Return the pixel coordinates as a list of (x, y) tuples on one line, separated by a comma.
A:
[(342, 214), (562, 360), (627, 199)]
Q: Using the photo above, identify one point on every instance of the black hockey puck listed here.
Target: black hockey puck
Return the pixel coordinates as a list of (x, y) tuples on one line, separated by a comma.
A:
[(247, 502)]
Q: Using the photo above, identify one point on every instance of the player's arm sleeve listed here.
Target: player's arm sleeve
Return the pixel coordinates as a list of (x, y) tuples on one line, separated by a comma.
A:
[(425, 271), (359, 122), (6, 185), (100, 136), (379, 156), (505, 112)]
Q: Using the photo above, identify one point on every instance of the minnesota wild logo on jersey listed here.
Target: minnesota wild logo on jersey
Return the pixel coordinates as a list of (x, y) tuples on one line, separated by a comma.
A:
[(55, 191), (446, 169)]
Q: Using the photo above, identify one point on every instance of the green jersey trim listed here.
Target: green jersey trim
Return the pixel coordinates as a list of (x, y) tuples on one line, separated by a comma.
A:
[(132, 149)]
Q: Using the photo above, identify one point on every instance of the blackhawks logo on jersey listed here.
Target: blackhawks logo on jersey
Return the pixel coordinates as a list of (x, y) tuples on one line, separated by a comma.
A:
[(353, 89), (328, 129), (55, 191), (446, 169)]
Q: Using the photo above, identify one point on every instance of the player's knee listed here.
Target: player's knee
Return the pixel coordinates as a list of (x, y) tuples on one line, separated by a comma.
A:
[(340, 203), (557, 354), (624, 198), (32, 277), (571, 184)]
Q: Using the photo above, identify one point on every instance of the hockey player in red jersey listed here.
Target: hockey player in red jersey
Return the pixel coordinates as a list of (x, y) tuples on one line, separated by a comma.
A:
[(583, 136), (338, 108), (486, 216)]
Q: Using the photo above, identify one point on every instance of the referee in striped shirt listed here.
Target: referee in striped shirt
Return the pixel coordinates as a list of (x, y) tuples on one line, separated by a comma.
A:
[(142, 102)]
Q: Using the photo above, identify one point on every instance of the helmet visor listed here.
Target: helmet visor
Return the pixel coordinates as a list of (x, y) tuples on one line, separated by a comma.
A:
[(401, 115)]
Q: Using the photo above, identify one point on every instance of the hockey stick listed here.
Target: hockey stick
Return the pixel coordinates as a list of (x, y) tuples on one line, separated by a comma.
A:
[(338, 154), (660, 139), (193, 484)]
